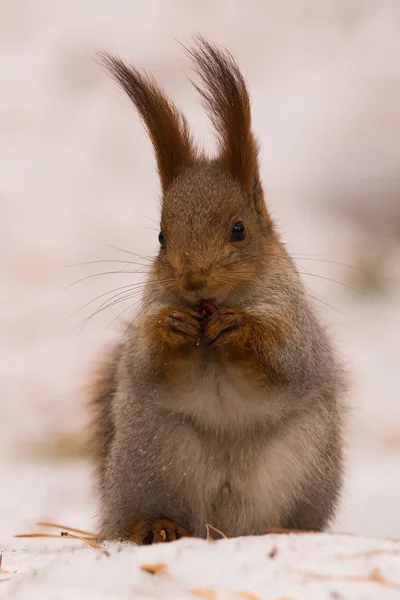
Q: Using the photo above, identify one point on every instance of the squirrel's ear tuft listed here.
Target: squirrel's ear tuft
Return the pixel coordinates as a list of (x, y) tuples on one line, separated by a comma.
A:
[(166, 126), (227, 102)]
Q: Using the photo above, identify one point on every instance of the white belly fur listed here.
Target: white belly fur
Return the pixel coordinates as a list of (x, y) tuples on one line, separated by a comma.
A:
[(252, 481)]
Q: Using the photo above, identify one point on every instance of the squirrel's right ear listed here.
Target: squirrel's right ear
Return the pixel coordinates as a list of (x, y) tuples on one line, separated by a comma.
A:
[(226, 98), (166, 126)]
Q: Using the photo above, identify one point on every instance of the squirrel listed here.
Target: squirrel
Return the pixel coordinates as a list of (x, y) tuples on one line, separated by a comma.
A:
[(224, 404)]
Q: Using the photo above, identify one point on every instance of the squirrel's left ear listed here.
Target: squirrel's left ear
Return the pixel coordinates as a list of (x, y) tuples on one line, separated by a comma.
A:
[(227, 102)]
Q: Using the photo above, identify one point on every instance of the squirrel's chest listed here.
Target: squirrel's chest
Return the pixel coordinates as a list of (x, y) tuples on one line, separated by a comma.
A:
[(217, 395)]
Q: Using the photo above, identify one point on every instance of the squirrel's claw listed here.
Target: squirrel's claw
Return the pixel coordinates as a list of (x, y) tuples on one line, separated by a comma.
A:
[(224, 326)]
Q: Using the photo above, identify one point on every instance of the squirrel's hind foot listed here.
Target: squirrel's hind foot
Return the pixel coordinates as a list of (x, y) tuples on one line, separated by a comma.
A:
[(157, 531)]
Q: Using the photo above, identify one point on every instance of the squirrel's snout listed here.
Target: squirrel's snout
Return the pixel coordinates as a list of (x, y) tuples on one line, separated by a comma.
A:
[(193, 283)]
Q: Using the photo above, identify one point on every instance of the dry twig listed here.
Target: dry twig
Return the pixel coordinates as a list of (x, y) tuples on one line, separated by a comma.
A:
[(153, 569)]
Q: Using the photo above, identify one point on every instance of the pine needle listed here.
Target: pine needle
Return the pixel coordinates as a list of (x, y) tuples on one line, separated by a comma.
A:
[(86, 534), (4, 573), (209, 538), (368, 553), (62, 534), (269, 530), (375, 577), (203, 593), (36, 535), (88, 541), (153, 569)]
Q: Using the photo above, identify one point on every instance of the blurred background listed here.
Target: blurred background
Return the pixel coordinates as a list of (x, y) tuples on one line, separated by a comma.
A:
[(78, 185)]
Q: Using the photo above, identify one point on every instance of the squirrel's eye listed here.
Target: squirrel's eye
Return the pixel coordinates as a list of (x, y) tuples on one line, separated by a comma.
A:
[(238, 232), (161, 239)]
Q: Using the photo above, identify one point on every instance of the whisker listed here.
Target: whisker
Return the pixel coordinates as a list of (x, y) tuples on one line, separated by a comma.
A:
[(108, 304), (149, 258), (124, 272), (97, 298), (296, 257), (345, 285), (134, 289), (321, 277), (149, 228), (334, 262), (318, 299), (121, 313), (94, 262), (305, 273), (149, 218), (133, 286)]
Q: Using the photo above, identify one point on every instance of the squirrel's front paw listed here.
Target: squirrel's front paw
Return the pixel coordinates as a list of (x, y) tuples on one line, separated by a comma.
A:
[(178, 326), (159, 530), (226, 325)]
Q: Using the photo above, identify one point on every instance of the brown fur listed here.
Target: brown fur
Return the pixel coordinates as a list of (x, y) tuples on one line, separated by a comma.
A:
[(167, 128), (224, 403), (227, 102)]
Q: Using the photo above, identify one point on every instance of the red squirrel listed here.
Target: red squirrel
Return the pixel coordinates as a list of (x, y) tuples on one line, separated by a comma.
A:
[(224, 403)]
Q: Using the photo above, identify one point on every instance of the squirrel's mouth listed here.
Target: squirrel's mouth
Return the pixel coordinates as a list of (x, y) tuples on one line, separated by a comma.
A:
[(197, 299), (209, 300), (207, 307), (212, 294)]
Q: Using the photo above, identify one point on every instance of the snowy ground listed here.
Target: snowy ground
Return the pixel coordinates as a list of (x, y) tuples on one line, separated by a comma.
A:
[(76, 170), (272, 567)]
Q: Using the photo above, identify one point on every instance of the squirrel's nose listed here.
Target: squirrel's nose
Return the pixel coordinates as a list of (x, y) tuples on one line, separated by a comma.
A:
[(193, 284)]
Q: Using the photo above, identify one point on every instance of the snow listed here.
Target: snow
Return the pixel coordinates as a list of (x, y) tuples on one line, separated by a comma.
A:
[(274, 566), (77, 174)]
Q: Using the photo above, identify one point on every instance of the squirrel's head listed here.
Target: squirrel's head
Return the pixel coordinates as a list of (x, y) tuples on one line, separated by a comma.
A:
[(215, 230)]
